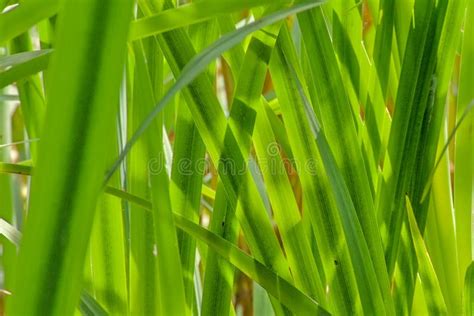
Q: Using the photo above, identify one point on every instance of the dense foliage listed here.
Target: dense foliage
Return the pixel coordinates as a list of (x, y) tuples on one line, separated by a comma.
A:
[(236, 157)]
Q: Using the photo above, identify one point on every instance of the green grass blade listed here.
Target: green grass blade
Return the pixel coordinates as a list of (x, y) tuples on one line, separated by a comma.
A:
[(443, 150), (273, 283), (285, 210), (219, 275), (14, 168), (10, 232), (383, 43), (347, 33), (18, 66), (440, 235), (431, 288), (18, 20), (261, 303), (191, 13), (375, 116), (107, 253), (143, 285), (71, 162), (468, 295), (235, 56), (187, 178), (464, 154), (25, 168), (89, 307), (212, 125), (169, 275), (171, 240), (17, 59), (403, 9), (169, 264), (185, 189)]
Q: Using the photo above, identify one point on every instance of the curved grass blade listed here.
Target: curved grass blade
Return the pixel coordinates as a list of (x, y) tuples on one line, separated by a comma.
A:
[(191, 13), (200, 62), (21, 65), (18, 20), (285, 210), (85, 80), (451, 136), (228, 155), (211, 125), (219, 275), (273, 283), (277, 286), (90, 307), (21, 58), (10, 232)]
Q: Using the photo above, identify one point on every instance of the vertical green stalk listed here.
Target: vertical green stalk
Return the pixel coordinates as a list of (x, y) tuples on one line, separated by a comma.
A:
[(440, 235), (144, 281), (286, 212), (80, 120), (464, 155), (376, 118), (169, 275), (143, 277), (107, 251), (187, 169)]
